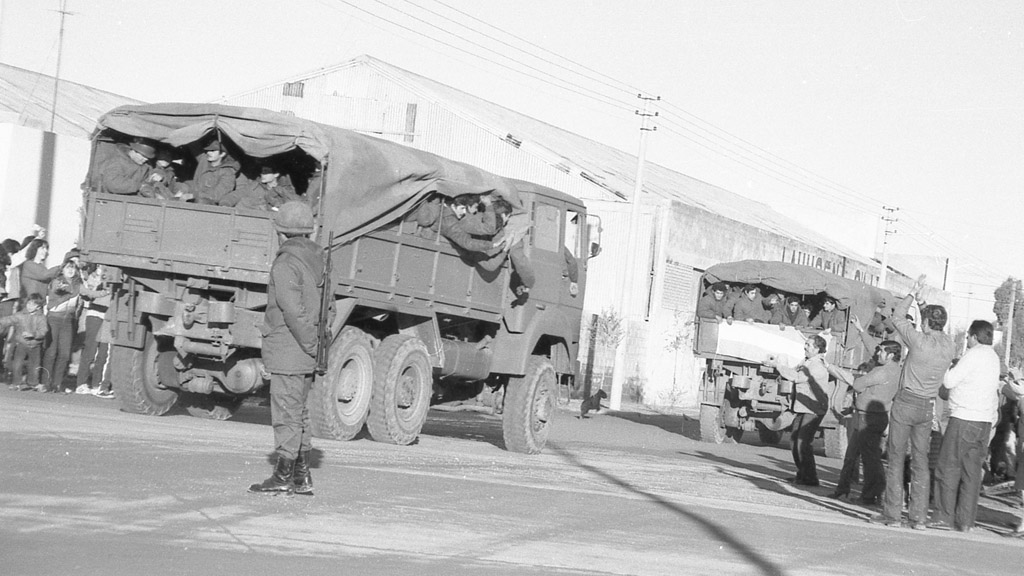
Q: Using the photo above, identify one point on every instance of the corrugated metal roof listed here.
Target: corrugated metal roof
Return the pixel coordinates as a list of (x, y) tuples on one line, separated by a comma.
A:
[(26, 99), (611, 171)]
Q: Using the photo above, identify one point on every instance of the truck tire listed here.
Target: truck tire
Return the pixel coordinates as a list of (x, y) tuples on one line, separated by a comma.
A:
[(211, 406), (529, 407), (136, 380), (835, 442), (340, 400), (403, 383), (712, 430)]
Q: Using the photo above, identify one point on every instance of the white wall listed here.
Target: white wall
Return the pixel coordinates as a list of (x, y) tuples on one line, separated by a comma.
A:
[(26, 199)]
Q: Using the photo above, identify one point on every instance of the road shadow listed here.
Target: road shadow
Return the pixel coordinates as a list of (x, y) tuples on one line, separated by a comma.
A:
[(769, 480), (251, 412), (754, 558), (671, 423), (465, 425)]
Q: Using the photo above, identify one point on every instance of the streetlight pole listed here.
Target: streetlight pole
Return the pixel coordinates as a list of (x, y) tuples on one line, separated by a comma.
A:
[(888, 219), (625, 312)]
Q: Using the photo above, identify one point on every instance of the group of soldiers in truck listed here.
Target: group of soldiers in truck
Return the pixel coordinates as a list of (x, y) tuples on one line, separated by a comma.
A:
[(725, 302), (215, 175)]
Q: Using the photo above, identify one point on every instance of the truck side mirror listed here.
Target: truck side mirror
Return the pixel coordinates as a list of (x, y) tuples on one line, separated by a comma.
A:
[(595, 249)]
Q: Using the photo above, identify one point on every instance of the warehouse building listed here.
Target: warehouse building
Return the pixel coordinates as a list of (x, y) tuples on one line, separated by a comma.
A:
[(685, 224)]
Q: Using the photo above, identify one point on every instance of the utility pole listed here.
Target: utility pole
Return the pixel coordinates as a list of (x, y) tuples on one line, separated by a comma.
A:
[(619, 369), (60, 51), (1008, 333), (889, 219)]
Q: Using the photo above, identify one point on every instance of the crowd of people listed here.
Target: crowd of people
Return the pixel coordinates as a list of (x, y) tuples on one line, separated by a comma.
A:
[(42, 309), (217, 175), (937, 408)]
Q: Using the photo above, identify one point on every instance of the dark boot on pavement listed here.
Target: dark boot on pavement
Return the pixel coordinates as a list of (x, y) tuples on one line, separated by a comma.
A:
[(280, 481), (302, 480)]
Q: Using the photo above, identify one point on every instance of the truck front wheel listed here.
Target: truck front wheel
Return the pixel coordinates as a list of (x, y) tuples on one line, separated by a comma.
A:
[(403, 382), (529, 407), (136, 377), (341, 398)]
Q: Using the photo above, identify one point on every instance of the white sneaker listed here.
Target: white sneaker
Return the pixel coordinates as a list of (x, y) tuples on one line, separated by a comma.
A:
[(103, 394), (83, 389)]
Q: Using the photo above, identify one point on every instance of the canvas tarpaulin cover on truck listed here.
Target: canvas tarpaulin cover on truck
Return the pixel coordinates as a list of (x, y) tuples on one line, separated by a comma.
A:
[(858, 297), (368, 181)]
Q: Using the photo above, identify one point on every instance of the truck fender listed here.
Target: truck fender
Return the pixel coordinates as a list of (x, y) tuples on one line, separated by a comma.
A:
[(513, 351)]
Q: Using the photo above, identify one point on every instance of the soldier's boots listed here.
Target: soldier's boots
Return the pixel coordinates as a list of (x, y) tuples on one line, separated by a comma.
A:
[(302, 480), (280, 482)]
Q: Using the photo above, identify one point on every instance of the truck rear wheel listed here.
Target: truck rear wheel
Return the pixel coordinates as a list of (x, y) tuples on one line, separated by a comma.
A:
[(211, 406), (529, 407), (340, 400), (136, 378), (713, 430), (403, 382)]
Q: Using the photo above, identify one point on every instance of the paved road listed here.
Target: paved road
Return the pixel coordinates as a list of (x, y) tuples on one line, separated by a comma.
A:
[(86, 489)]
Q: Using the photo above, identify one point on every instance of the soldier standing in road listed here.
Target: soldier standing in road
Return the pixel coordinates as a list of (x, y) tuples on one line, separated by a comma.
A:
[(289, 346)]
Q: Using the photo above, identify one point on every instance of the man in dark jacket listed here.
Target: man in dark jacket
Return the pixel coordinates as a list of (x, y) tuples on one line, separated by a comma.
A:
[(713, 305), (215, 174), (126, 169), (289, 346)]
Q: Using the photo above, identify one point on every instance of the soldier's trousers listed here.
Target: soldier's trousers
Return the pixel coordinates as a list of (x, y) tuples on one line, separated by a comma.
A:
[(289, 414)]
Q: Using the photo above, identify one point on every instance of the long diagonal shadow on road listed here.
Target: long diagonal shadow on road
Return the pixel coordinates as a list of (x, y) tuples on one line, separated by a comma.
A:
[(763, 564)]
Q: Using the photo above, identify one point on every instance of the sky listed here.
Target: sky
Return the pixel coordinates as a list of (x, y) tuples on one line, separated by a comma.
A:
[(827, 111)]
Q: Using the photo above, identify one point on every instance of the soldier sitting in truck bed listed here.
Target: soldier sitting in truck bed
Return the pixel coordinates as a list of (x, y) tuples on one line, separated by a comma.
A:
[(713, 305), (126, 168), (790, 315), (829, 318), (748, 308)]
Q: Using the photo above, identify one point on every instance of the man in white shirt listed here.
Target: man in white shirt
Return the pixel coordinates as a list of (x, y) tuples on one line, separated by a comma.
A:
[(973, 386)]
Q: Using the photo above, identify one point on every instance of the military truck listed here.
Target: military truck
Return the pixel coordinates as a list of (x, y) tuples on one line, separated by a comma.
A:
[(739, 391), (413, 317)]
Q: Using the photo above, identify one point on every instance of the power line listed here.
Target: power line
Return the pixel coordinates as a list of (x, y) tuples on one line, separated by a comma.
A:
[(618, 86), (564, 84)]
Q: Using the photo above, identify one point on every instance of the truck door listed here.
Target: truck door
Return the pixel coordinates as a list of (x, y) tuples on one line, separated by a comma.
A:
[(575, 240), (546, 253)]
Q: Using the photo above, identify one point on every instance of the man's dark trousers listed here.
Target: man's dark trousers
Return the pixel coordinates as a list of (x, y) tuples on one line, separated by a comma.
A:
[(866, 442), (959, 472), (805, 426)]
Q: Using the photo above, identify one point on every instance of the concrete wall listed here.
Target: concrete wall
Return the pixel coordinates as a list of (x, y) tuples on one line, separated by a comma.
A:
[(40, 178)]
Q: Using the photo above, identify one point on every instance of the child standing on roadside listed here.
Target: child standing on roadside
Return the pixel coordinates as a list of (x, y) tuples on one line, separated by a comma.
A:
[(96, 296), (30, 330)]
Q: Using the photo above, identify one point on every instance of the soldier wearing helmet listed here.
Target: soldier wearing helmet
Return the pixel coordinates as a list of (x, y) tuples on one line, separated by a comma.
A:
[(290, 334)]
